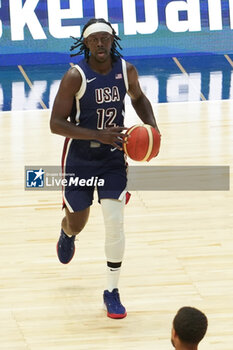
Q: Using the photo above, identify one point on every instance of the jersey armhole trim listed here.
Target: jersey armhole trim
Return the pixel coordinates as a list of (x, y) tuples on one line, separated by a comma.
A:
[(124, 70), (83, 86)]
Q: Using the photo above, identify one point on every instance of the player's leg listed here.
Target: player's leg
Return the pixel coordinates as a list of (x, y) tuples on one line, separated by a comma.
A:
[(113, 213), (72, 225), (77, 199)]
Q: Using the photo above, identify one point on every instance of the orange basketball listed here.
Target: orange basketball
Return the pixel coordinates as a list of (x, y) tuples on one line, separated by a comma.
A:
[(143, 143)]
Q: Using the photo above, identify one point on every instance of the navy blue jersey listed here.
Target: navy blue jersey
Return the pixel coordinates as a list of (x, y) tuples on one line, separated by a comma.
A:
[(100, 99)]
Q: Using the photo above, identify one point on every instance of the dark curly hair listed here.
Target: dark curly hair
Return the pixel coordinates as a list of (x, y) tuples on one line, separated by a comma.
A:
[(79, 43)]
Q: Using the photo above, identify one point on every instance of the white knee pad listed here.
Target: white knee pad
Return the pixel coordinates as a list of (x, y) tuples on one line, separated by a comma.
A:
[(113, 213)]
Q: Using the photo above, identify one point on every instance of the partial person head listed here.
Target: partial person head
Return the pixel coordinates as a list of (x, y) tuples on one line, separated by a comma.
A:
[(98, 38), (189, 328)]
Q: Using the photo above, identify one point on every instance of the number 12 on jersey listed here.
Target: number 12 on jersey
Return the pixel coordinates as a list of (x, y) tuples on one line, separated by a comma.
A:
[(105, 117)]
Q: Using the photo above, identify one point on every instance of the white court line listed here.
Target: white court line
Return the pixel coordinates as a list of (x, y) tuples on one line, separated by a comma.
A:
[(31, 86), (229, 60), (179, 65)]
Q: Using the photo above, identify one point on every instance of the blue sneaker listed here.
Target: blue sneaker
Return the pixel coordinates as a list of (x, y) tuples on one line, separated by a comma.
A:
[(113, 304), (65, 248)]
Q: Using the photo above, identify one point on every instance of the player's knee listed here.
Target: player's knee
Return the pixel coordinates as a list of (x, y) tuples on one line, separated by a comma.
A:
[(114, 227), (113, 217), (112, 210), (114, 221), (75, 222)]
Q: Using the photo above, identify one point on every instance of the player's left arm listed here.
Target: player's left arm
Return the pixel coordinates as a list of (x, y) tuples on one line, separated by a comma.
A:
[(139, 100)]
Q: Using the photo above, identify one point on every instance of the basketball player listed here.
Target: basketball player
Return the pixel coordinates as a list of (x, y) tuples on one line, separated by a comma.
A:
[(189, 328), (89, 111)]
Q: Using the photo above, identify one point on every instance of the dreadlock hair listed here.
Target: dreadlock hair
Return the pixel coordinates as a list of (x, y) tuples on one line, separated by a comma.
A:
[(79, 43)]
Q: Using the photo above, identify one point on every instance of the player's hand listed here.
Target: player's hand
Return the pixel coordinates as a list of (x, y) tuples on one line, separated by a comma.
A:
[(113, 136), (156, 128)]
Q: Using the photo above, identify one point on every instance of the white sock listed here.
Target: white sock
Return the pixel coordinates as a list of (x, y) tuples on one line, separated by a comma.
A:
[(113, 275)]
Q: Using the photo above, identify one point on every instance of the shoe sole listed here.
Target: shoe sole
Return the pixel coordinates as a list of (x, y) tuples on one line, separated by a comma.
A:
[(114, 316), (65, 263)]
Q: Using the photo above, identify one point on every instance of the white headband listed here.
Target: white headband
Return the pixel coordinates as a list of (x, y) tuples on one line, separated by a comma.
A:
[(97, 27)]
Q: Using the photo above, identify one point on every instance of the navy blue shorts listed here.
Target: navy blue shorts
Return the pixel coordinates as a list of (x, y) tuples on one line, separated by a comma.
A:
[(90, 165)]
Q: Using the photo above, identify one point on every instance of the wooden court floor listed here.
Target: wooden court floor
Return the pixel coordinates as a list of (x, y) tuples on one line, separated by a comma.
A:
[(179, 246)]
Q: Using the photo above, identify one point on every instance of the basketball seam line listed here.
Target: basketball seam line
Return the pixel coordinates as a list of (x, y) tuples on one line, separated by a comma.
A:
[(150, 146)]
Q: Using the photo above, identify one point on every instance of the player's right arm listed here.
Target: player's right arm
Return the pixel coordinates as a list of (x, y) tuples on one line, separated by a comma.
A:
[(59, 123)]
